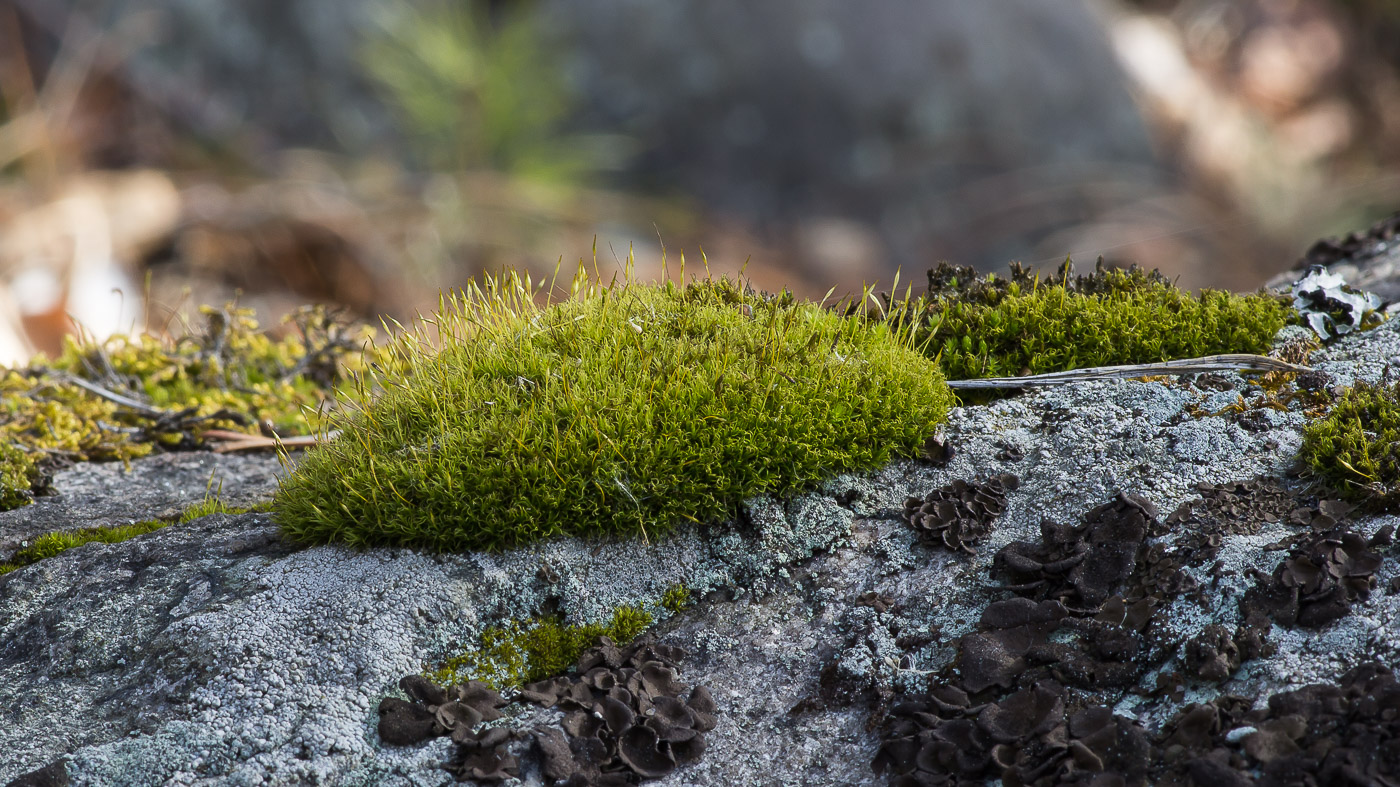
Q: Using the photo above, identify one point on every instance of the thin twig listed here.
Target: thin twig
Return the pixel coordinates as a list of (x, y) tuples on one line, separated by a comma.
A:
[(111, 396), (1210, 363), (239, 441)]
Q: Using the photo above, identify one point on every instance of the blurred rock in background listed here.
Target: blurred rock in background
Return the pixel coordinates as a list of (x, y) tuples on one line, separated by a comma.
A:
[(893, 133), (369, 152)]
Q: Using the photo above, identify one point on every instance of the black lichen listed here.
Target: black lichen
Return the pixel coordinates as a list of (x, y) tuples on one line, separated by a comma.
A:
[(1024, 700), (1319, 580), (960, 514), (1321, 734), (1079, 565), (1028, 738), (624, 720)]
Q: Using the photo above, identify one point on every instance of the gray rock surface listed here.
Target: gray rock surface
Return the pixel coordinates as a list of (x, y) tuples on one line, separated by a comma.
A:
[(214, 653)]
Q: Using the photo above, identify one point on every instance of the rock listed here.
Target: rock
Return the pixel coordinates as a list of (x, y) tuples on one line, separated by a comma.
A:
[(162, 486), (214, 652), (809, 114), (1368, 260)]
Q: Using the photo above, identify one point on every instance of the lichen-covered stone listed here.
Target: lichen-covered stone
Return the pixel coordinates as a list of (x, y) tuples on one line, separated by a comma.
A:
[(235, 657)]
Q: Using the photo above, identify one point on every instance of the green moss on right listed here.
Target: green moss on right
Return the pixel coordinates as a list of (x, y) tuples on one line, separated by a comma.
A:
[(1356, 447), (995, 327), (520, 653)]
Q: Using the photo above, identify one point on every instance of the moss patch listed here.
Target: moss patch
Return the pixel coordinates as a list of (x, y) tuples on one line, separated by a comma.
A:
[(127, 396), (519, 653), (676, 599), (1356, 447), (1003, 327), (619, 412), (51, 544)]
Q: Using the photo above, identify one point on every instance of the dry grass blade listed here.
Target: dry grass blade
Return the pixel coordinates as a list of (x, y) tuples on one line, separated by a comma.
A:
[(225, 441), (1209, 363)]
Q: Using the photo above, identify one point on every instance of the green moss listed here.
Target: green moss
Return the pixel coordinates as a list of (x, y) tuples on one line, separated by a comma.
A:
[(51, 544), (676, 599), (18, 475), (520, 653), (1356, 447), (127, 396), (213, 505), (1003, 327), (619, 412)]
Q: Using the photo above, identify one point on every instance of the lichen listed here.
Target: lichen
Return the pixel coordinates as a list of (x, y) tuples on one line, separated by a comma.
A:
[(521, 652), (623, 411), (1356, 447)]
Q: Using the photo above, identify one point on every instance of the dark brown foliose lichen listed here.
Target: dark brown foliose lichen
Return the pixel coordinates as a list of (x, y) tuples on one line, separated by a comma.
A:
[(1015, 708), (455, 711), (625, 720), (1319, 580), (1023, 701), (937, 452), (1027, 738), (1080, 566), (1342, 734), (960, 514), (1238, 507)]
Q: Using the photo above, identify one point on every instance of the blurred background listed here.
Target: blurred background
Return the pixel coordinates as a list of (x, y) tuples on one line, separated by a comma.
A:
[(160, 154)]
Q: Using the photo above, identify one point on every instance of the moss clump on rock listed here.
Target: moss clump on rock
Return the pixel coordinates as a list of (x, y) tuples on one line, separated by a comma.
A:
[(1356, 447), (677, 599), (621, 411), (51, 544), (1003, 327), (125, 397)]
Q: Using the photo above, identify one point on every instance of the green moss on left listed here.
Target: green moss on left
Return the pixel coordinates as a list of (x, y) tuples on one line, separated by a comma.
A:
[(51, 544), (1356, 447), (130, 395), (622, 412), (524, 652), (18, 476)]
